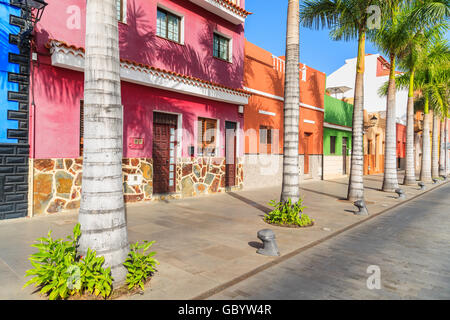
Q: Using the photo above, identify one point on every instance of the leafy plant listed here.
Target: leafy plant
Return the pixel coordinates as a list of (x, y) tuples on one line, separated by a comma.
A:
[(288, 213), (140, 266), (60, 271)]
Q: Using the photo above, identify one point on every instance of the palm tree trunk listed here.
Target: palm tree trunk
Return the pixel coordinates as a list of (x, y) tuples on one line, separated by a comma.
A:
[(290, 187), (102, 212), (410, 169), (446, 142), (356, 182), (390, 180), (435, 147), (425, 172), (442, 149)]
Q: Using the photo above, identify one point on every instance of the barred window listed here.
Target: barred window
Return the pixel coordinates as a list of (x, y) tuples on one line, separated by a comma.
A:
[(206, 142)]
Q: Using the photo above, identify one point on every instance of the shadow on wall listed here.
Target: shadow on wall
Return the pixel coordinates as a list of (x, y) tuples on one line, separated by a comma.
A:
[(185, 59), (314, 90)]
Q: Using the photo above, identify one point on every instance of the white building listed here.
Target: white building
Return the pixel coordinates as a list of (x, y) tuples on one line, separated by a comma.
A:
[(341, 84)]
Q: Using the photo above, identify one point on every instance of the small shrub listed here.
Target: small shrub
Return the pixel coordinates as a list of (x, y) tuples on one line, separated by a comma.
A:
[(288, 213), (61, 272), (140, 266)]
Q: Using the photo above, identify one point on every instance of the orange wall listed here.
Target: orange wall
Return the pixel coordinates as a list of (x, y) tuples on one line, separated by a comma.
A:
[(259, 74)]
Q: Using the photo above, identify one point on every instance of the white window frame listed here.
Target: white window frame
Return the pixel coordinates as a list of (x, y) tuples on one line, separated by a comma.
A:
[(124, 9), (176, 13), (230, 45)]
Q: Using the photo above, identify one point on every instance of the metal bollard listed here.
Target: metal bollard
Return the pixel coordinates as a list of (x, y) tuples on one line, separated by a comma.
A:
[(270, 247), (421, 185), (401, 194), (361, 205)]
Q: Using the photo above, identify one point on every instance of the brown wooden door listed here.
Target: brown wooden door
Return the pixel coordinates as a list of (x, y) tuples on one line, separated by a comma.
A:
[(164, 153), (230, 154), (306, 145)]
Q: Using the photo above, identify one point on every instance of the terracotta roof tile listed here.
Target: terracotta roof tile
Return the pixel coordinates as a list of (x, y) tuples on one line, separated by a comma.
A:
[(48, 45)]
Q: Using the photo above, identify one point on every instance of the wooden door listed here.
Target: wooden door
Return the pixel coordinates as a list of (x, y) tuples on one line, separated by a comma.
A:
[(230, 154), (306, 148), (164, 153)]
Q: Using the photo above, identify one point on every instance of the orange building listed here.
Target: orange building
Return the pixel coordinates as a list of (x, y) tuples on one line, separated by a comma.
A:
[(263, 118)]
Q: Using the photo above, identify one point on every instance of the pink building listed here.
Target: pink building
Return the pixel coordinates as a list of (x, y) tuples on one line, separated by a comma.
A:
[(182, 68)]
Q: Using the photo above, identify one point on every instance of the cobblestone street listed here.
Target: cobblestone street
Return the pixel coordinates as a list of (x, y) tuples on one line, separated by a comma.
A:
[(410, 244)]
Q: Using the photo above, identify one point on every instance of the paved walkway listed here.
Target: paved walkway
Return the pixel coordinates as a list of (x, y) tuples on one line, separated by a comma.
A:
[(202, 243), (409, 245)]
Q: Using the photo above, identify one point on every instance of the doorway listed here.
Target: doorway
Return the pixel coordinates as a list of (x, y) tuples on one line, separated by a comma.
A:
[(344, 155), (230, 153), (164, 152), (306, 148)]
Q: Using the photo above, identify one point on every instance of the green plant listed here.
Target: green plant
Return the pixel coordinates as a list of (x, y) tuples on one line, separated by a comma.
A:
[(140, 266), (60, 271), (288, 213)]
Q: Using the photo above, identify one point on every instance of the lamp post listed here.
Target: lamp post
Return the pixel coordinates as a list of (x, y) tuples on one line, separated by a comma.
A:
[(33, 11)]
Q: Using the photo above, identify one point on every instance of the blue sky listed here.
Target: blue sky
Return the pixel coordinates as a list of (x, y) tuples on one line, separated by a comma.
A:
[(266, 28)]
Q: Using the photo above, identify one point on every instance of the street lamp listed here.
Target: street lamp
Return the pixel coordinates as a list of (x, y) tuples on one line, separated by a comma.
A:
[(33, 11)]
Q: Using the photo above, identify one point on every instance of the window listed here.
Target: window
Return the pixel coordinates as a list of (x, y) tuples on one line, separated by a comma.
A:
[(206, 142), (81, 126), (121, 10), (333, 144), (265, 139), (168, 25), (221, 48)]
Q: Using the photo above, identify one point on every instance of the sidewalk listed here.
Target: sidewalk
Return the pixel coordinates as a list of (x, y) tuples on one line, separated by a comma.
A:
[(202, 243)]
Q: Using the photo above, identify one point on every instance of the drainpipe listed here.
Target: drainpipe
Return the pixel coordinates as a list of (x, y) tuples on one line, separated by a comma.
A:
[(32, 122)]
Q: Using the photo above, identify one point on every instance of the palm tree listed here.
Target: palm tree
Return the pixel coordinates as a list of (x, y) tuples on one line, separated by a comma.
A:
[(421, 24), (441, 100), (429, 76), (290, 186), (392, 38), (102, 213), (348, 20), (435, 146), (435, 70)]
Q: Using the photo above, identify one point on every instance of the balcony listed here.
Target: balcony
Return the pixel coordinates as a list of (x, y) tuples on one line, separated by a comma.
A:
[(229, 10)]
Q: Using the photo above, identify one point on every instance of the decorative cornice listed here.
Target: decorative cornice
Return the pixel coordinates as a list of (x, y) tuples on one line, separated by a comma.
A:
[(135, 72), (234, 7), (337, 126), (225, 9)]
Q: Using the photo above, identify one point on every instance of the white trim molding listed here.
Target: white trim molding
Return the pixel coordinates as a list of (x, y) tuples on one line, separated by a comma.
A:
[(261, 93), (273, 114), (336, 126), (73, 58), (268, 95), (309, 121)]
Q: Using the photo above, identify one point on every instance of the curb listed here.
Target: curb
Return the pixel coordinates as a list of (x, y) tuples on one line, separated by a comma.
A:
[(291, 254)]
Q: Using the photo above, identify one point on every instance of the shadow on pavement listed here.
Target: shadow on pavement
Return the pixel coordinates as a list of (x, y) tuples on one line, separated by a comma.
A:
[(250, 202)]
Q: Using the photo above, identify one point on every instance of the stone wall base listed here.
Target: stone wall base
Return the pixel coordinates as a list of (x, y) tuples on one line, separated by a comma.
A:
[(57, 182)]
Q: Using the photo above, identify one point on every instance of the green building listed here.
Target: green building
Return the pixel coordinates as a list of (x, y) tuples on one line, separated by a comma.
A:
[(337, 137)]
